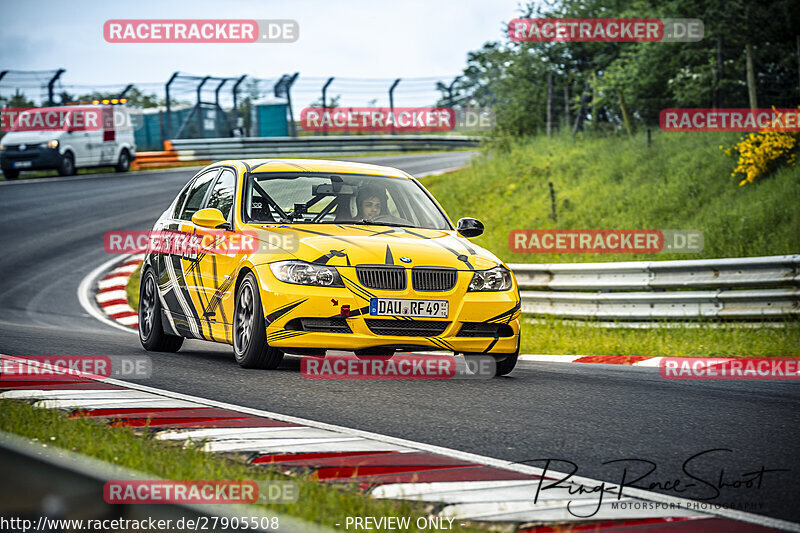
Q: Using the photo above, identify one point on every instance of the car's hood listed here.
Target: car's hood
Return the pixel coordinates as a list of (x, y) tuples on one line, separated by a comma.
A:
[(30, 137), (348, 245)]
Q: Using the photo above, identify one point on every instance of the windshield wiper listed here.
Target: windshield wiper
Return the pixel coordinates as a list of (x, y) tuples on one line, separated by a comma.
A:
[(365, 222)]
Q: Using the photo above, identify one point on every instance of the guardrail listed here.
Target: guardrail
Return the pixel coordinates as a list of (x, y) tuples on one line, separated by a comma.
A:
[(207, 150), (751, 288)]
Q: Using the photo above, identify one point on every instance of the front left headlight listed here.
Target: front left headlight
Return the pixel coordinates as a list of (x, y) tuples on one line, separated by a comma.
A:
[(495, 279), (302, 273), (50, 144)]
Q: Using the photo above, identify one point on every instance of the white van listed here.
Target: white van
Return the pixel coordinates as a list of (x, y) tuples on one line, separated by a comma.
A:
[(67, 138)]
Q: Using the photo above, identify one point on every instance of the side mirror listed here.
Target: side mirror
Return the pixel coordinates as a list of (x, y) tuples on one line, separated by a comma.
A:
[(469, 227), (209, 218)]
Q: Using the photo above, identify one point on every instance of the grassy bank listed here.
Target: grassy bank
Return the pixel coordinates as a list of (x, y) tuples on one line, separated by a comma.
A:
[(318, 502), (681, 181)]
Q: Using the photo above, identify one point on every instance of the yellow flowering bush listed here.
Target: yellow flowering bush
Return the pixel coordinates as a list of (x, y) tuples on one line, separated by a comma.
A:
[(761, 152)]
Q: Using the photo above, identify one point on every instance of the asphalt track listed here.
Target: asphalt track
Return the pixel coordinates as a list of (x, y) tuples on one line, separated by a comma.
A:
[(51, 233)]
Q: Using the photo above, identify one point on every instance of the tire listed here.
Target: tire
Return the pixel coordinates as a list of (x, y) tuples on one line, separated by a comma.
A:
[(507, 365), (151, 331), (67, 166), (124, 162), (11, 173), (250, 348)]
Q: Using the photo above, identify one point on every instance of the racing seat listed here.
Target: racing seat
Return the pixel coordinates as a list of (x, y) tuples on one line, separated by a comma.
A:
[(260, 210)]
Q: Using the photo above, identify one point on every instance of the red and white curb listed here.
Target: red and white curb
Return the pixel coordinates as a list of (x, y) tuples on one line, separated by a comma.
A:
[(630, 360), (459, 485), (111, 295), (102, 294)]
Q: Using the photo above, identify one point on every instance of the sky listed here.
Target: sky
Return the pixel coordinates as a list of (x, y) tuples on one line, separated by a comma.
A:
[(376, 39)]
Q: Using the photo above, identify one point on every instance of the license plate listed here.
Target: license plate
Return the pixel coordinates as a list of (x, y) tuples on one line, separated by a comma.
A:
[(22, 164), (403, 307)]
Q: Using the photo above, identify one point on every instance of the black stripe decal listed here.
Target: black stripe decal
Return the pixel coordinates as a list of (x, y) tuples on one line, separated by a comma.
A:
[(279, 312), (506, 314)]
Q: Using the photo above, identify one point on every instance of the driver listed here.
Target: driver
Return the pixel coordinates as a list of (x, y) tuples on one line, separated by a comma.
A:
[(371, 202)]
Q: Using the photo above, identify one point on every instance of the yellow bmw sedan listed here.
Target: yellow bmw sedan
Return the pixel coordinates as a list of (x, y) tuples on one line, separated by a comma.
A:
[(303, 256)]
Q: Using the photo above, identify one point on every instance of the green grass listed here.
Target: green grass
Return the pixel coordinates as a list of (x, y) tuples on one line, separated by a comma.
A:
[(682, 181), (570, 338), (134, 448)]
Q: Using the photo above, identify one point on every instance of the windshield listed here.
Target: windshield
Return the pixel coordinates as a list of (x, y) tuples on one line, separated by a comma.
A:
[(339, 199)]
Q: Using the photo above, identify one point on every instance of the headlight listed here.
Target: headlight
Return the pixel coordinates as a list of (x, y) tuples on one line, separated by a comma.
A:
[(303, 273), (2, 147), (495, 279), (49, 144)]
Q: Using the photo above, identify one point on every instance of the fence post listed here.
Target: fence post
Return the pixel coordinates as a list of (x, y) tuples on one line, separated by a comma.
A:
[(169, 114), (391, 103), (324, 102)]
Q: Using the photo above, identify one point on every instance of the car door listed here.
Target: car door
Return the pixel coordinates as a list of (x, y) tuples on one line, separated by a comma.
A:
[(79, 142), (183, 300), (218, 259)]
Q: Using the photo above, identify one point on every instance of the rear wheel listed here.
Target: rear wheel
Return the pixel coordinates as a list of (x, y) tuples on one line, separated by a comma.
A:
[(11, 173), (151, 332), (250, 346), (67, 166), (124, 162)]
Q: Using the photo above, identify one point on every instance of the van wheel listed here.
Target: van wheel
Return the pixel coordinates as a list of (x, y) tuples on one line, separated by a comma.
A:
[(11, 173), (67, 166), (124, 162)]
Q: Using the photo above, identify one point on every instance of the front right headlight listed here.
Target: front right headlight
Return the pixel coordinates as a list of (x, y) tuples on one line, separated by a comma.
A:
[(302, 273), (494, 279)]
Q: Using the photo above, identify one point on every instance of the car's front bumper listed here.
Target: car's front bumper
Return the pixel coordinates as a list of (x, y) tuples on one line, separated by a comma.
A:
[(34, 158), (287, 308)]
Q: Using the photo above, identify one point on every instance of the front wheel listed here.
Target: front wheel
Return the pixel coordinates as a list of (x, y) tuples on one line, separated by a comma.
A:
[(250, 348), (11, 173), (506, 365), (151, 332), (67, 166)]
